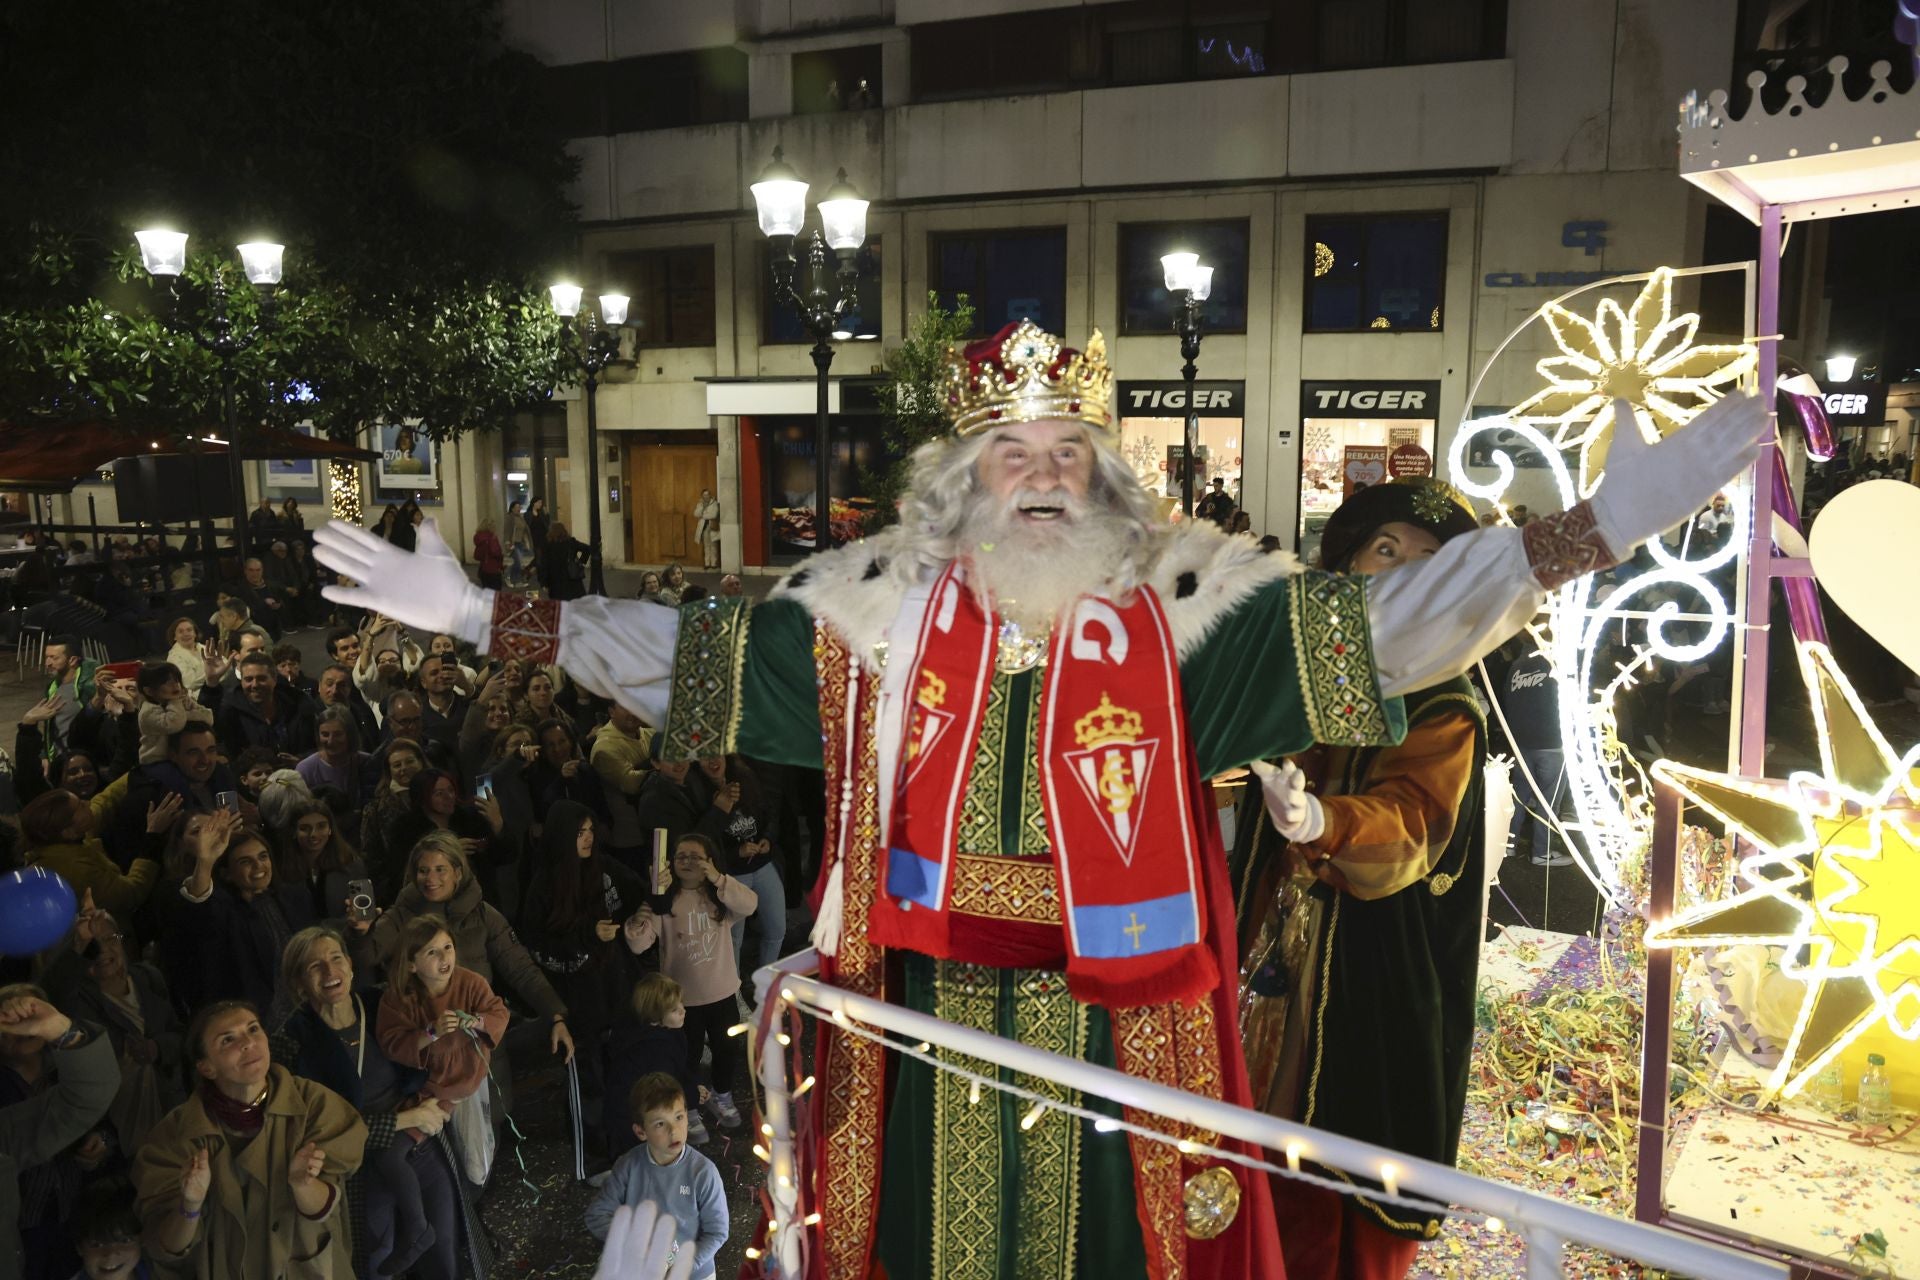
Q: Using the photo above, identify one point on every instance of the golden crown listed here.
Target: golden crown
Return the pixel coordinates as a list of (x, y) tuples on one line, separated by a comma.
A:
[(1023, 374), (1107, 723)]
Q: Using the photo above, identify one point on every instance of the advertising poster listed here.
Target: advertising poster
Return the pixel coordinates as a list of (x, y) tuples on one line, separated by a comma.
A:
[(1362, 465), (406, 458)]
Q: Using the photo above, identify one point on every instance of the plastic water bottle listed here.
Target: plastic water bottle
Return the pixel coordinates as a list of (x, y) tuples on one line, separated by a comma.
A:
[(1875, 1105), (1827, 1092)]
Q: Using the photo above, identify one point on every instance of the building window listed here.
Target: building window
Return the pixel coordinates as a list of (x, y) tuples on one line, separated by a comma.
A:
[(573, 99), (829, 80), (1007, 275), (674, 90), (1376, 273), (1157, 47), (1380, 33), (1145, 304), (780, 324), (990, 57), (672, 291)]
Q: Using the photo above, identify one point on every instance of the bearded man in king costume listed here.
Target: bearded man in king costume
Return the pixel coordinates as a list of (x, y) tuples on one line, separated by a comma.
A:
[(1017, 694)]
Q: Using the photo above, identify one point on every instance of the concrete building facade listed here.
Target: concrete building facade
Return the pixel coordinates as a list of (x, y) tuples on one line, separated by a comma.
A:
[(1477, 157)]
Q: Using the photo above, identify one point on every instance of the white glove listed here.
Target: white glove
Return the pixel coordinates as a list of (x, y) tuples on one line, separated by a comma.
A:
[(640, 1246), (1650, 488), (427, 588), (1296, 813)]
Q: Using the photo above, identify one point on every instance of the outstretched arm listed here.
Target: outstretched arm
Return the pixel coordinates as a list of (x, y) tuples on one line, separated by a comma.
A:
[(620, 649), (1433, 619)]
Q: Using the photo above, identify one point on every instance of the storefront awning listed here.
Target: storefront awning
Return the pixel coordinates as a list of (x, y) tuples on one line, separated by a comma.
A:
[(53, 459)]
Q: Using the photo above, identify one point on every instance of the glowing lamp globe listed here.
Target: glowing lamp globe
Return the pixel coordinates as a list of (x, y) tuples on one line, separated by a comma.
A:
[(261, 261), (843, 214), (1179, 268), (37, 908), (780, 196), (1840, 368), (566, 299), (163, 252), (1201, 283), (613, 308)]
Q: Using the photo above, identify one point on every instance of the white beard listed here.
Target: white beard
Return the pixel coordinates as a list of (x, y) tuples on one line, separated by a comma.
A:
[(1032, 572)]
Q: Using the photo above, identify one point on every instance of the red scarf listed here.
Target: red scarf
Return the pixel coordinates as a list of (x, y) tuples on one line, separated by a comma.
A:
[(1116, 774), (242, 1118)]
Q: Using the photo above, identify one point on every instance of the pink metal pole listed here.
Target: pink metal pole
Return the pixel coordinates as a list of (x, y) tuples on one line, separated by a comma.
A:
[(1657, 1037), (1753, 671)]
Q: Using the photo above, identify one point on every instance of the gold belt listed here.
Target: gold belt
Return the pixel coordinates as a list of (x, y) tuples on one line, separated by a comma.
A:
[(1001, 888)]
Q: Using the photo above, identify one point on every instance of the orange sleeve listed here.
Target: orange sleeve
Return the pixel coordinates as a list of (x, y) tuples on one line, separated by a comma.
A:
[(1386, 837)]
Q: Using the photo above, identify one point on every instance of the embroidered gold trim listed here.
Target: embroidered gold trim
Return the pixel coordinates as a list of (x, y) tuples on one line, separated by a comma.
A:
[(1440, 881), (968, 1170), (997, 888), (709, 655), (1046, 1244), (1176, 1045), (1333, 652), (851, 1107)]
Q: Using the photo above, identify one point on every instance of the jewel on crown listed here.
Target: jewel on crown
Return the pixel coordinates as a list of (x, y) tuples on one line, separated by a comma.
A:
[(1023, 374), (1108, 723)]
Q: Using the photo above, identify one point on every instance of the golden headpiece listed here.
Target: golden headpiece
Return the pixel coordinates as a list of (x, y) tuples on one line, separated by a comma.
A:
[(1023, 374)]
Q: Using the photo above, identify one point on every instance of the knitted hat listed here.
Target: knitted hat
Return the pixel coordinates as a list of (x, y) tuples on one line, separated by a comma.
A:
[(1422, 501)]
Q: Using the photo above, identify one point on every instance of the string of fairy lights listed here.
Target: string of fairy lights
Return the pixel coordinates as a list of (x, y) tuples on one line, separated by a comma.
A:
[(1039, 1107)]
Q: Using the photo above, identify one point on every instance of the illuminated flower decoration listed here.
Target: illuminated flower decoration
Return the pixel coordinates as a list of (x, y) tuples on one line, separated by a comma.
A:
[(1836, 881), (1641, 353)]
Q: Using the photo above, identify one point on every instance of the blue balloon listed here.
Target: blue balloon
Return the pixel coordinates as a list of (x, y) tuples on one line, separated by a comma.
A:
[(37, 908)]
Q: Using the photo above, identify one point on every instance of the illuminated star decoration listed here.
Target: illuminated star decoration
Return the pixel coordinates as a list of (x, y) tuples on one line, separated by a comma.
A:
[(1641, 353), (1836, 881)]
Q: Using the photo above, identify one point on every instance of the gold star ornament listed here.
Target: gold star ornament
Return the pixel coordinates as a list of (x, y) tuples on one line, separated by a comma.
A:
[(1641, 353), (1835, 881)]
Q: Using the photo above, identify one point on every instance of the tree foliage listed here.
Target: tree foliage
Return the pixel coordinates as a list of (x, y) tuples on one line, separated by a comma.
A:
[(915, 387), (397, 150)]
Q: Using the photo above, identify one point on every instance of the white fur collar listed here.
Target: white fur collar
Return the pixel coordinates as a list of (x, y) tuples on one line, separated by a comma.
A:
[(1199, 573)]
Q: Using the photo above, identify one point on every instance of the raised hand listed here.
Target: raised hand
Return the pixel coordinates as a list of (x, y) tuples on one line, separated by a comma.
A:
[(1296, 814), (40, 712), (427, 588), (29, 1016), (641, 1246), (308, 1163), (162, 813), (196, 1181), (1649, 488)]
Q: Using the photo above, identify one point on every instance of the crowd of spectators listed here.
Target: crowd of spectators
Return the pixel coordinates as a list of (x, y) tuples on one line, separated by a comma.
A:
[(327, 916)]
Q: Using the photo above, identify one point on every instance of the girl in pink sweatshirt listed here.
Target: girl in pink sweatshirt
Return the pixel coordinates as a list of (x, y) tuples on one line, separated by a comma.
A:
[(693, 923), (443, 1020)]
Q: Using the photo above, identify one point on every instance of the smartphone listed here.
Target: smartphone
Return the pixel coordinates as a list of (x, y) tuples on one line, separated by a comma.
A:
[(228, 800), (360, 899), (483, 787)]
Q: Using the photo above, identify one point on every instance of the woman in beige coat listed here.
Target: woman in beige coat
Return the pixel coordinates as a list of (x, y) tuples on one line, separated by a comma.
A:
[(245, 1179)]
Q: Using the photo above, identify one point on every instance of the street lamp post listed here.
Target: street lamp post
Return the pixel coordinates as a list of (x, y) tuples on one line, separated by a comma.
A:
[(781, 199), (597, 344), (165, 255), (1190, 283)]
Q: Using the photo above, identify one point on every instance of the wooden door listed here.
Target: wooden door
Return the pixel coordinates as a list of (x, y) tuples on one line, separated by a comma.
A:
[(663, 484)]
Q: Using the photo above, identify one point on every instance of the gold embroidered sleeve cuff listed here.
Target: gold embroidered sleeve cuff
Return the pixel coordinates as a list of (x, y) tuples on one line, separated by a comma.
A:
[(1333, 649), (524, 628), (1565, 546), (709, 656)]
